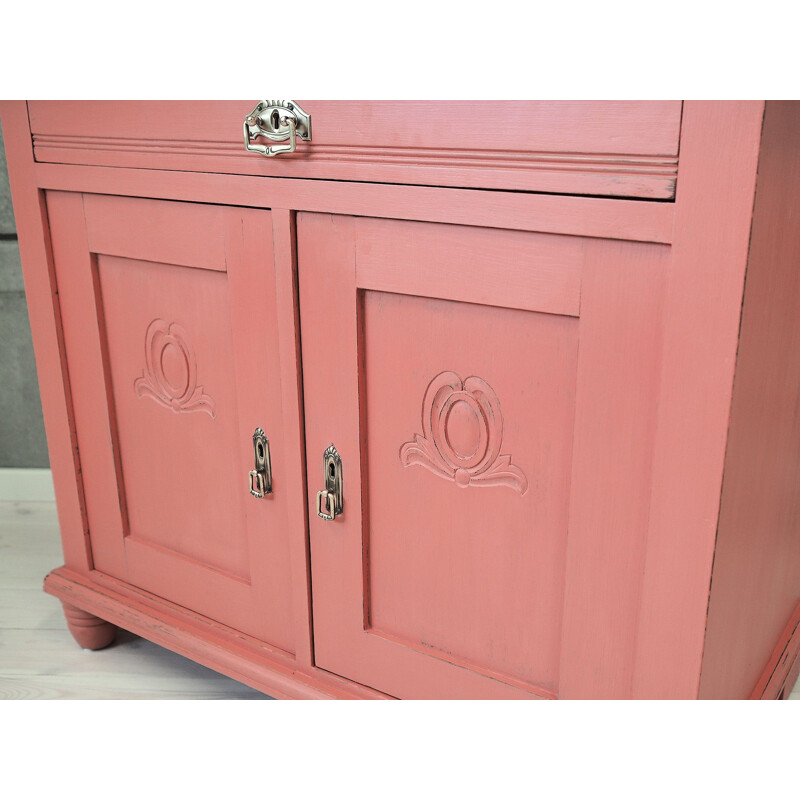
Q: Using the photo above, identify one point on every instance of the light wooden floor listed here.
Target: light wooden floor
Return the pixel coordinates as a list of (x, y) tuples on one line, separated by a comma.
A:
[(38, 656)]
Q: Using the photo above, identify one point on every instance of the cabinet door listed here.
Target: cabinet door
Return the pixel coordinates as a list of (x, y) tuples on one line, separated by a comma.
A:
[(494, 473), (168, 314)]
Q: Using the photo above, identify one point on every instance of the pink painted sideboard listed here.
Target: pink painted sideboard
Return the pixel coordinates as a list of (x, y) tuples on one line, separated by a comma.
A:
[(415, 412)]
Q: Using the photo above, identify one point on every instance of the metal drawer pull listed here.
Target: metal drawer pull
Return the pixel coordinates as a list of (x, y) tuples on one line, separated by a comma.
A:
[(330, 501), (261, 476), (277, 120)]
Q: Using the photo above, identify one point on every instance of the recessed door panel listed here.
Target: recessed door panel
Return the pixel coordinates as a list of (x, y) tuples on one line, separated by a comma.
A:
[(469, 421), (169, 343)]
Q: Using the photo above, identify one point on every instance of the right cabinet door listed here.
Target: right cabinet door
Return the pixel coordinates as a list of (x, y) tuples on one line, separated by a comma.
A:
[(491, 394)]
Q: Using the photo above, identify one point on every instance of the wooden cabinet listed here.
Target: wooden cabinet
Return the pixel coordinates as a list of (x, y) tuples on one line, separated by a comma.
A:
[(536, 364)]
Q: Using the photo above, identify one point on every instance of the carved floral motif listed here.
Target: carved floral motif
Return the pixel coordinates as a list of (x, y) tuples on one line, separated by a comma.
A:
[(462, 428), (175, 387)]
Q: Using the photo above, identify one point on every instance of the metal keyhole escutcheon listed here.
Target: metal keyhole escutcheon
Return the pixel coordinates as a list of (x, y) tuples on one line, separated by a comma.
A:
[(330, 501), (261, 476), (279, 121)]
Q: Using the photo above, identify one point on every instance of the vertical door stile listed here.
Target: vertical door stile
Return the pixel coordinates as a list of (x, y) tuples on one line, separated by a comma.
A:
[(249, 257), (77, 285), (293, 422)]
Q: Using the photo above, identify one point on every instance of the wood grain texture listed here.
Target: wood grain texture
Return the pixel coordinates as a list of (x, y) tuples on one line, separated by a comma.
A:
[(225, 650), (653, 413), (30, 545), (783, 667), (650, 127), (511, 269), (756, 579), (89, 631), (615, 411), (85, 362), (47, 665), (33, 231), (173, 233), (790, 688), (586, 174), (719, 152), (426, 587), (257, 370), (578, 216), (466, 469), (621, 148), (170, 508), (39, 657), (293, 434)]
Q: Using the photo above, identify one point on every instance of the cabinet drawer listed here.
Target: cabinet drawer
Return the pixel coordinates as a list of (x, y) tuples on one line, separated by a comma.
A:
[(601, 148)]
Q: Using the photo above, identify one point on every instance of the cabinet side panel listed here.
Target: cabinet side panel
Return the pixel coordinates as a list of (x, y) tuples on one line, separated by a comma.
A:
[(756, 577), (702, 311)]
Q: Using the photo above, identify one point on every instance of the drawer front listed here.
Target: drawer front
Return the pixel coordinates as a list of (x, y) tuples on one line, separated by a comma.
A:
[(601, 148)]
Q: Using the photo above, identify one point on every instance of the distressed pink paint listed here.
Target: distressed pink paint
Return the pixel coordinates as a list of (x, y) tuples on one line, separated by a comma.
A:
[(558, 405)]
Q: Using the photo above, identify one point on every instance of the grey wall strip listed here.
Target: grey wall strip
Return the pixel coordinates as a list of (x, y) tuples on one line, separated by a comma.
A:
[(22, 437)]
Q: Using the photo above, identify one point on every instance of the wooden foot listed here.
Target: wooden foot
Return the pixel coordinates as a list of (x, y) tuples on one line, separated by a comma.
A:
[(89, 631)]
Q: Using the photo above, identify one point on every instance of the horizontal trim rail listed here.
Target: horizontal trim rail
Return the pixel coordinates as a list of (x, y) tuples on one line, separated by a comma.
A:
[(632, 220)]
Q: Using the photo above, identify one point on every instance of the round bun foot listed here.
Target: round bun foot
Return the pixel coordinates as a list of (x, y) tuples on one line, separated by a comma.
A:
[(89, 631)]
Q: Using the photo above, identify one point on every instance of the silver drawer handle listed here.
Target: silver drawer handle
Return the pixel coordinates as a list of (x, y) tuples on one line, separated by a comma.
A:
[(279, 121)]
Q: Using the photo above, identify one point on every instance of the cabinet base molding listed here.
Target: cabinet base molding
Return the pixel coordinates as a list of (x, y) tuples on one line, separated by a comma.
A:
[(229, 652), (783, 667)]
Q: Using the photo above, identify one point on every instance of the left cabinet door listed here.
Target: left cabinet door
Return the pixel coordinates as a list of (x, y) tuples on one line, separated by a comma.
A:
[(168, 312)]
